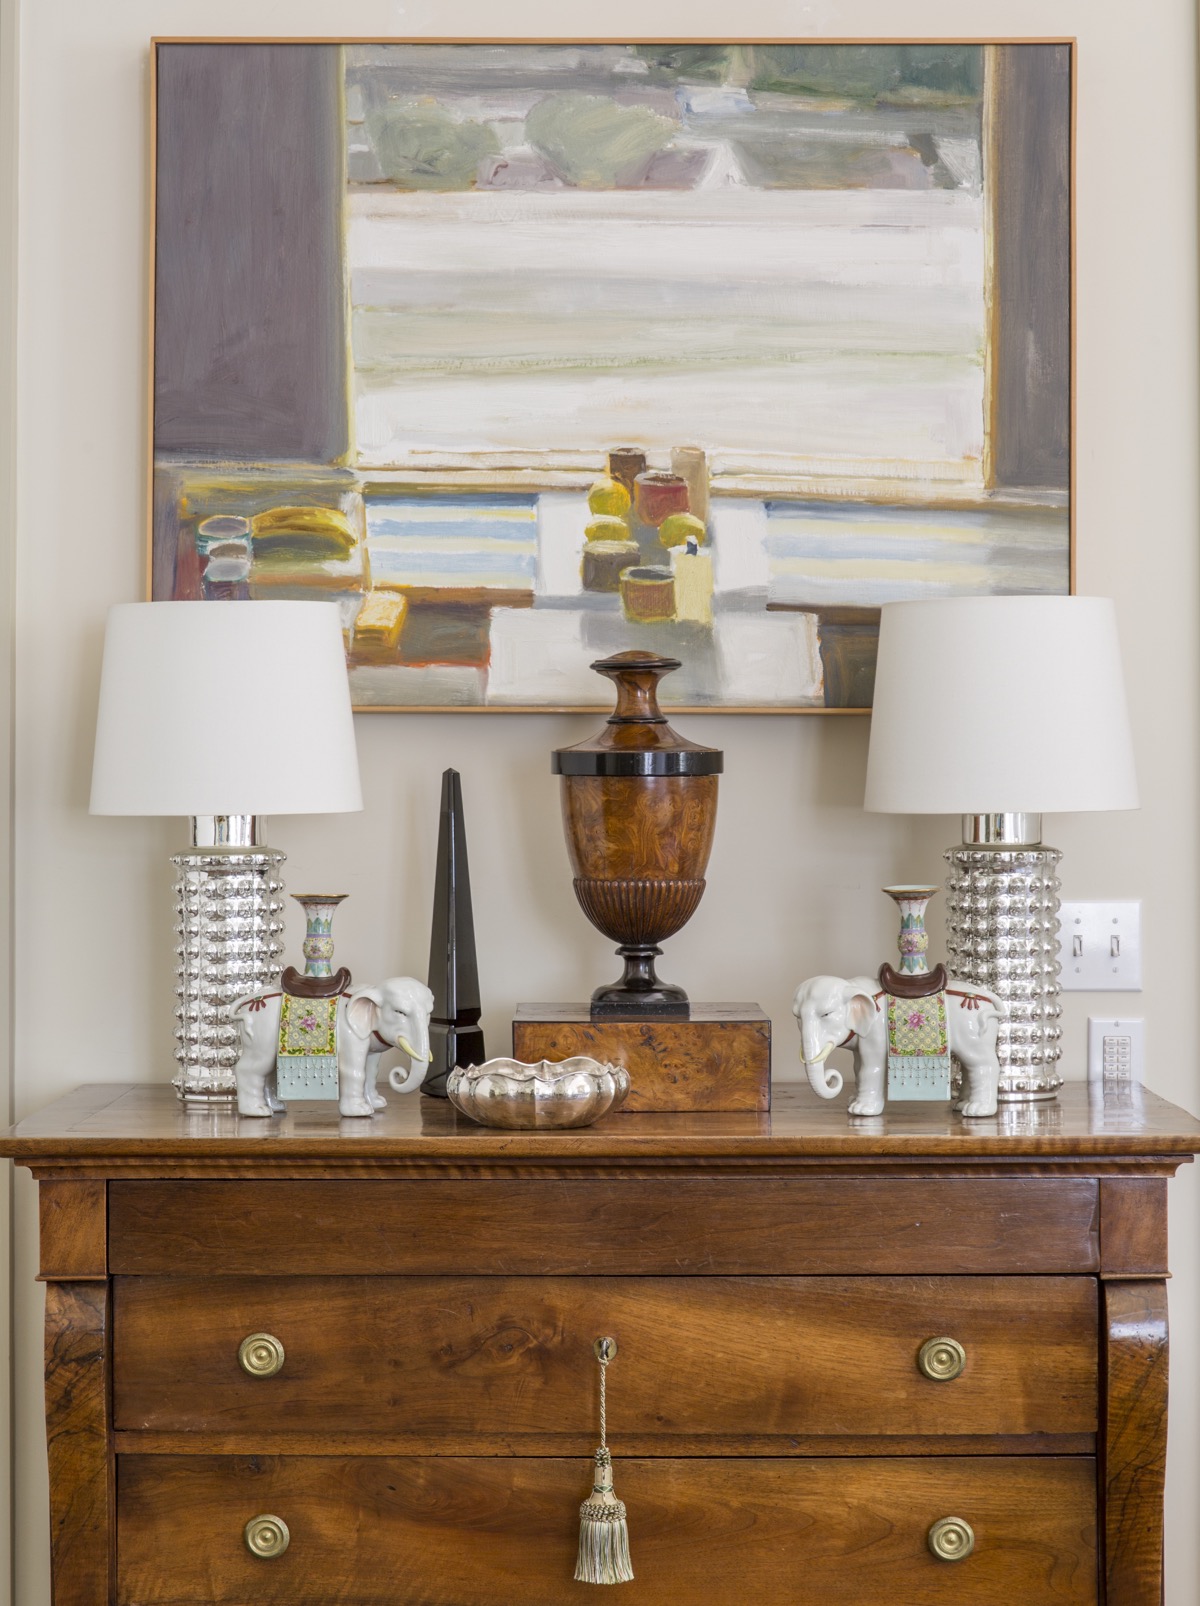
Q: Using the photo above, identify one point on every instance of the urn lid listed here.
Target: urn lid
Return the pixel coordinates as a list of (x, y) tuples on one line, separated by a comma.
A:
[(637, 739)]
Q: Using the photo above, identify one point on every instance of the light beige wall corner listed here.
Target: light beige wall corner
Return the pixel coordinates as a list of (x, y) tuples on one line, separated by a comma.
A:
[(796, 867)]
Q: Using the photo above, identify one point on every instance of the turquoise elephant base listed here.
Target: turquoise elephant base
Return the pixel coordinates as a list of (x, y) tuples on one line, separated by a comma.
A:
[(306, 1076)]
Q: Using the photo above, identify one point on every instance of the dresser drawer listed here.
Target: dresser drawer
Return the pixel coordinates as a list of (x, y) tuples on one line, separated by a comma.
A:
[(692, 1226), (444, 1531), (464, 1359)]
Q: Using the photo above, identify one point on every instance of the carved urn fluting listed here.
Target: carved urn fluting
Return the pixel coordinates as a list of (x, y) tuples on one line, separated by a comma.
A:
[(639, 809)]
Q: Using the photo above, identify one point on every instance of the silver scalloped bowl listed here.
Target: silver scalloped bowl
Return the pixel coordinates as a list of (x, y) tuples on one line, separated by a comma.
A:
[(551, 1094)]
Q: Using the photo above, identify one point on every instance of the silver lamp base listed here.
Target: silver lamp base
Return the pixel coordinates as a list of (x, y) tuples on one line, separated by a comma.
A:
[(1002, 933), (229, 926)]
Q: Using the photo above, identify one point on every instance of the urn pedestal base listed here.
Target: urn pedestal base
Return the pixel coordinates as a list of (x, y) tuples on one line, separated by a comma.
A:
[(640, 994), (717, 1059)]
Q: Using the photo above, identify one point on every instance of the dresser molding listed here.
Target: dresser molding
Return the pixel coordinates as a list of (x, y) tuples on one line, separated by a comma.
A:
[(484, 1259)]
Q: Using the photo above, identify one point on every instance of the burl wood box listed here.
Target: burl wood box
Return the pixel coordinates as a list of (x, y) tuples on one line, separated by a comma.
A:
[(717, 1059)]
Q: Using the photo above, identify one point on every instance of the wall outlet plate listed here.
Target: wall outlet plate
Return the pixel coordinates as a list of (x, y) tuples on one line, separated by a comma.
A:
[(1100, 947), (1116, 1050)]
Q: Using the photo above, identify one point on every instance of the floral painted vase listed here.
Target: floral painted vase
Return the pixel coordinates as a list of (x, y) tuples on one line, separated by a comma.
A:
[(912, 901), (318, 909)]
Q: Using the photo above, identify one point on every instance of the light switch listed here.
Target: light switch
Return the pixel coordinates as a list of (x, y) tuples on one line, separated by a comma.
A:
[(1100, 947)]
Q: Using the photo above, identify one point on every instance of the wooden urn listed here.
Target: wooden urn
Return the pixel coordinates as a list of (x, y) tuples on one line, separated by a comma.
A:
[(639, 810)]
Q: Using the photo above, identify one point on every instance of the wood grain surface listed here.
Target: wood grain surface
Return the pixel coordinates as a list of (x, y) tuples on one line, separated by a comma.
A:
[(747, 1443), (644, 827), (686, 1226), (774, 1442), (472, 1357), (697, 1064), (1133, 1226), (1134, 1461), (452, 1532), (638, 911), (73, 1234), (82, 1508), (113, 1126)]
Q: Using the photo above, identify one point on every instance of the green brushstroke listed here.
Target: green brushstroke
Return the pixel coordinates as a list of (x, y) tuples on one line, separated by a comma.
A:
[(422, 147), (692, 64), (871, 74), (595, 143)]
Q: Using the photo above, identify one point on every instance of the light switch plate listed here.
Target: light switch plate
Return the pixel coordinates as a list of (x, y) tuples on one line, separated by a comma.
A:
[(1100, 947), (1116, 1050)]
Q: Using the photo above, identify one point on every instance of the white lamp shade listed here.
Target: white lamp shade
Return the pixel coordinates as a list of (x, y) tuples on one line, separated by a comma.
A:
[(224, 708), (990, 705)]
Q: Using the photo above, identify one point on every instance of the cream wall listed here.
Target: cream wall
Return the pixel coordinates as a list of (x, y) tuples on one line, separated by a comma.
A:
[(8, 419), (794, 875)]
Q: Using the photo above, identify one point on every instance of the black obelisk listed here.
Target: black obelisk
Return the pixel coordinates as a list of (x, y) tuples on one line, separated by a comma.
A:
[(455, 1037)]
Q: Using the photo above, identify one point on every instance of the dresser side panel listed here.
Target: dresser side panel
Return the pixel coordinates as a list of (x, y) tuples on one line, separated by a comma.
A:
[(1134, 1440), (82, 1498)]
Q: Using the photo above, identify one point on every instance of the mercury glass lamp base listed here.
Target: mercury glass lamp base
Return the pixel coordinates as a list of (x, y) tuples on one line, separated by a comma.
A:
[(1002, 934), (229, 930), (199, 1092)]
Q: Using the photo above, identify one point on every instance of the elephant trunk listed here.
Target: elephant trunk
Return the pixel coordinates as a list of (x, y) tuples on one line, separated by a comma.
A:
[(416, 1044), (825, 1082)]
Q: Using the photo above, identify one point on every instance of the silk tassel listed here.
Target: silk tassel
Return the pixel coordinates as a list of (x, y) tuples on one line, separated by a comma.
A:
[(603, 1532)]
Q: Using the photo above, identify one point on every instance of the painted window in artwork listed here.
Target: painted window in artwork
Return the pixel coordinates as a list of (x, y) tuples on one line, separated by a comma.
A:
[(527, 354), (776, 251)]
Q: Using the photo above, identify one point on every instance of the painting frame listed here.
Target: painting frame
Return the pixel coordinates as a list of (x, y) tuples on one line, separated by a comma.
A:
[(1067, 42)]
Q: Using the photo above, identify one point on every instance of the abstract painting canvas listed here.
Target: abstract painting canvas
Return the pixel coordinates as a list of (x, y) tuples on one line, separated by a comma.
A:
[(526, 353)]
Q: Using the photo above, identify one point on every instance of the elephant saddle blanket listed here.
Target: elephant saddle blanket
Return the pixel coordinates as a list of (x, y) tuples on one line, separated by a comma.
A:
[(306, 1057), (918, 1047)]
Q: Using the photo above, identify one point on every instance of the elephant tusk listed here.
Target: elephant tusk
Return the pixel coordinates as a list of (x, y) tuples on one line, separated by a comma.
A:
[(822, 1056), (404, 1044)]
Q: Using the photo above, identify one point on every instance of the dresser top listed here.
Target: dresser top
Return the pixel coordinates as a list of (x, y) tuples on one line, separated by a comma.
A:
[(119, 1125)]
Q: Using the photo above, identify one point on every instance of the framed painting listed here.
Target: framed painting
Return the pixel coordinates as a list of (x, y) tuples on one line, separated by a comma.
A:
[(524, 353)]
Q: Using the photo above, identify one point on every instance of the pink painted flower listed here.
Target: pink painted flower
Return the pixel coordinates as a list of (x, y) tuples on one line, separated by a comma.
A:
[(916, 1019), (309, 1023)]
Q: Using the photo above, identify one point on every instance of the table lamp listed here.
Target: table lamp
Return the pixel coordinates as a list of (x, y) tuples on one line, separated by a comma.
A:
[(1002, 709), (224, 711)]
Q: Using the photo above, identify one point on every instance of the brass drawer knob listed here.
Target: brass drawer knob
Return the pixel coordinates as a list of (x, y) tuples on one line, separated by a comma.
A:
[(267, 1537), (952, 1539), (941, 1359), (261, 1355)]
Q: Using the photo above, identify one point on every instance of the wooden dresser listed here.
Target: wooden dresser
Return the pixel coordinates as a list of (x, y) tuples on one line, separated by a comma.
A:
[(417, 1409)]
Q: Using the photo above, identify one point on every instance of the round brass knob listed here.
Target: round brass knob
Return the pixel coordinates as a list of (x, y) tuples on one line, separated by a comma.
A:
[(267, 1537), (941, 1359), (952, 1539), (261, 1355)]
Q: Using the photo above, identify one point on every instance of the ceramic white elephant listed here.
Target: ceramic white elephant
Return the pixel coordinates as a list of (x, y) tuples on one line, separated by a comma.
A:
[(370, 1021), (835, 1012)]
